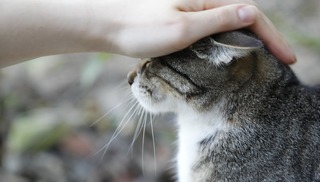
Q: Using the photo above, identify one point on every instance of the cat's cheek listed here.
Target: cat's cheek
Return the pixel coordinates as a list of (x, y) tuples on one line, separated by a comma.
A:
[(140, 93)]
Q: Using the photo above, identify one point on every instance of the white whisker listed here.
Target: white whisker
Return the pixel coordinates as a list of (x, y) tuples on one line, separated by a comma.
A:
[(143, 140), (153, 144), (135, 112), (153, 139), (138, 128), (129, 99), (121, 126)]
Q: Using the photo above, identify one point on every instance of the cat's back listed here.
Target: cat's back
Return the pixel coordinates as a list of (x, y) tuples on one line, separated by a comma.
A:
[(278, 142)]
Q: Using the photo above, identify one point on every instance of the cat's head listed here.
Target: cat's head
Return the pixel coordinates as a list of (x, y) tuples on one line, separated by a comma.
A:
[(196, 77)]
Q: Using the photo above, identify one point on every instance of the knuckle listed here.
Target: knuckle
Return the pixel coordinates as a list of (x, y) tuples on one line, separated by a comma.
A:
[(180, 31), (256, 10), (223, 18)]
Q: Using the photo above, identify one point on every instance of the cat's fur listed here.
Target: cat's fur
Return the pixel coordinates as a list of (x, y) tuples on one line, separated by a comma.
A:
[(242, 115)]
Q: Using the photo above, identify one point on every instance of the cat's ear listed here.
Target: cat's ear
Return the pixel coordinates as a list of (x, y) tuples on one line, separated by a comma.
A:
[(224, 47)]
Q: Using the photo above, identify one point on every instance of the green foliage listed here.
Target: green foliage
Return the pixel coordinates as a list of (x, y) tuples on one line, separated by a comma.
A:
[(33, 133), (295, 35)]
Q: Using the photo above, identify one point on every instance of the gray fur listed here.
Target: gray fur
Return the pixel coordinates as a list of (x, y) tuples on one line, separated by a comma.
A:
[(274, 119)]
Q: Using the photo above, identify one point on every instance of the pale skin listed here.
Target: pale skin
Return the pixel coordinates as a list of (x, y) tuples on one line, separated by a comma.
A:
[(140, 28)]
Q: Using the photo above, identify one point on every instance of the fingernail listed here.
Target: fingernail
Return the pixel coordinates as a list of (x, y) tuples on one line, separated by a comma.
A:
[(247, 13), (291, 55)]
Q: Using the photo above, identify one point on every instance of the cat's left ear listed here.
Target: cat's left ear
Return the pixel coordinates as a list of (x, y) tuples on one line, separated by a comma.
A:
[(224, 47)]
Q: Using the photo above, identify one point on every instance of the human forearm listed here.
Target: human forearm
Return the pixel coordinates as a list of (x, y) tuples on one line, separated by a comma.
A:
[(36, 28)]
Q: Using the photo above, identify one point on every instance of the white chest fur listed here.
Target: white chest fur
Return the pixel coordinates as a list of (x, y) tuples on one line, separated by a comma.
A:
[(193, 128)]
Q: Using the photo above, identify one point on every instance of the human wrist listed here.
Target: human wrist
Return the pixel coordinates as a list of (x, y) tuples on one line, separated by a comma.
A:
[(105, 25)]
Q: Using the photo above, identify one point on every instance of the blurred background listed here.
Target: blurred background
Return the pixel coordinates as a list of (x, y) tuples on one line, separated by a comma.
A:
[(58, 113)]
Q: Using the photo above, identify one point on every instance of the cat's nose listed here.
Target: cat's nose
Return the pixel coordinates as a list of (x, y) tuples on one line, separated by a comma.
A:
[(139, 69), (131, 75)]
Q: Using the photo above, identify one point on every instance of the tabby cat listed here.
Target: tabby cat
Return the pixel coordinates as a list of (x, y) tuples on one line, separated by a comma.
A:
[(242, 115)]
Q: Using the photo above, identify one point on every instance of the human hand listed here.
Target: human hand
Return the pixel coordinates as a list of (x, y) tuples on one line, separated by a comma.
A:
[(146, 28), (140, 28)]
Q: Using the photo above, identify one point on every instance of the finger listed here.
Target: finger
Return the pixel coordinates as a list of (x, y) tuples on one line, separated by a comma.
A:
[(217, 3), (225, 18), (273, 39), (199, 5), (238, 16)]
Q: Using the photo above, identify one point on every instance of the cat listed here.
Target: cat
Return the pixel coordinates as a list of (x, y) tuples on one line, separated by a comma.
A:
[(241, 114)]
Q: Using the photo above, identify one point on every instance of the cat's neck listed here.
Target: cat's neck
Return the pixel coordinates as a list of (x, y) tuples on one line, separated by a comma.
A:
[(194, 128)]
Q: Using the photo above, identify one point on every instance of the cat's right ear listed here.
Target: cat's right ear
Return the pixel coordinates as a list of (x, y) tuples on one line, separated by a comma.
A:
[(224, 47)]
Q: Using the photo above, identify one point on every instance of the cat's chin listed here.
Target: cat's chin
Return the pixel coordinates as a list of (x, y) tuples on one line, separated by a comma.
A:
[(157, 107)]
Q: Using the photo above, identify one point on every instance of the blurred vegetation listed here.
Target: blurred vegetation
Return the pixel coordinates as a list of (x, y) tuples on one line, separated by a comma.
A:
[(51, 103), (295, 35)]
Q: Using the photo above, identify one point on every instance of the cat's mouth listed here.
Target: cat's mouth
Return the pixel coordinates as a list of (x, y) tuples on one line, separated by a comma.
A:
[(150, 91), (151, 97)]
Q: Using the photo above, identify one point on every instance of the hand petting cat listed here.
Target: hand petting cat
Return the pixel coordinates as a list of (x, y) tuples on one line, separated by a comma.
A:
[(143, 28)]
